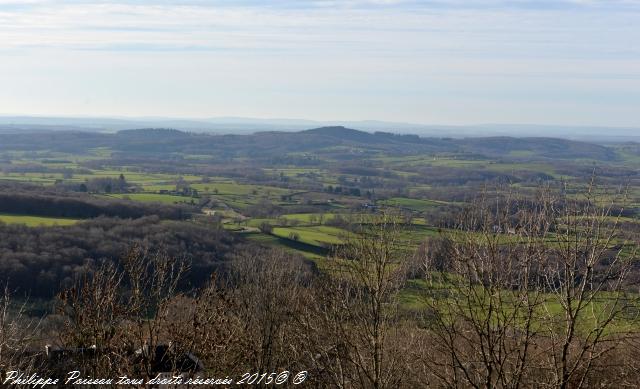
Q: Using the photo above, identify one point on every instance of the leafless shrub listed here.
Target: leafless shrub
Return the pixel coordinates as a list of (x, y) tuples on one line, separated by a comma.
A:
[(94, 311), (482, 309), (533, 294), (585, 277), (207, 325), (17, 335), (269, 287), (118, 310), (353, 335)]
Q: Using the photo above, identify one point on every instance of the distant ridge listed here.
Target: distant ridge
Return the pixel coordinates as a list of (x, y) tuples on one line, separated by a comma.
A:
[(341, 132), (238, 125), (338, 142), (153, 132)]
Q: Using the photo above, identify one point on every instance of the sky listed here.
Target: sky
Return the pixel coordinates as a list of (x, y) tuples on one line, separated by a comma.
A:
[(572, 62)]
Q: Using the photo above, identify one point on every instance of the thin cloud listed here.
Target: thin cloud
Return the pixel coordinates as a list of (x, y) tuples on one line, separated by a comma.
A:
[(415, 60)]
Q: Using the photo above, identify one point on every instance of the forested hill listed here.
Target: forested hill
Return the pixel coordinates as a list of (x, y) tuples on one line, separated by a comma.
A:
[(336, 141)]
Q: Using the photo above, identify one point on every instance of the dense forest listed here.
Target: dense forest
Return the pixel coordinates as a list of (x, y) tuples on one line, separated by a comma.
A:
[(38, 261)]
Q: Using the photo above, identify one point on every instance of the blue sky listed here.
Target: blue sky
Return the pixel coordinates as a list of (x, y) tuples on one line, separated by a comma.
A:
[(433, 61)]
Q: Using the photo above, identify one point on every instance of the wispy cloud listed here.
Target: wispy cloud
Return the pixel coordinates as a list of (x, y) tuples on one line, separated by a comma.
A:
[(390, 59), (285, 24)]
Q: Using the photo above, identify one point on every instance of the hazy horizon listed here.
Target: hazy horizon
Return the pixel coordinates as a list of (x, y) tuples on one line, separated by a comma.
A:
[(301, 120), (244, 125)]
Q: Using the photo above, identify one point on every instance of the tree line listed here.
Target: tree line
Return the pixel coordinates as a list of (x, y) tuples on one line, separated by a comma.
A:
[(39, 201)]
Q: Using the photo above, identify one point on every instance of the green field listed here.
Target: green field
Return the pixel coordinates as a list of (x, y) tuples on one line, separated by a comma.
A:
[(418, 295), (155, 198), (320, 236), (306, 218), (35, 221), (412, 204), (287, 245)]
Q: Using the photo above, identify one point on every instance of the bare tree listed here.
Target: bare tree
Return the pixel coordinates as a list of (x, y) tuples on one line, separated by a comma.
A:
[(152, 279), (355, 321), (483, 305), (116, 310), (17, 334), (269, 288), (585, 278), (208, 325), (531, 295), (93, 311)]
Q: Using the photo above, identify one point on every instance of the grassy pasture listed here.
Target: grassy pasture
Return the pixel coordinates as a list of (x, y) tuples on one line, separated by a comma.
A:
[(136, 177), (419, 294), (310, 252), (305, 218), (293, 171), (40, 179), (35, 221), (413, 204), (531, 167), (319, 236), (302, 219), (232, 188), (155, 198)]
